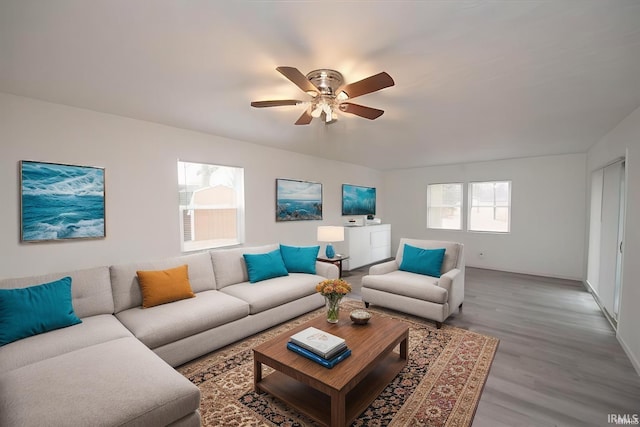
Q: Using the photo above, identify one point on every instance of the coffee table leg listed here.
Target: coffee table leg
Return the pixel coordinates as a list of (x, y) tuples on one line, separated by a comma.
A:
[(338, 410), (257, 374), (404, 346)]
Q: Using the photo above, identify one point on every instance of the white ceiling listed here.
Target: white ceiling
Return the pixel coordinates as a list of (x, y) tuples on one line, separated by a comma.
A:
[(475, 80)]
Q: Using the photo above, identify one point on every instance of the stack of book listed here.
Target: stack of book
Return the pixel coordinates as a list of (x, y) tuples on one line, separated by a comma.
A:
[(319, 346)]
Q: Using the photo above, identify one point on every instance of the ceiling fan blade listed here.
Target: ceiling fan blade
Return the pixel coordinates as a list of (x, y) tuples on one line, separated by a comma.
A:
[(368, 85), (305, 118), (361, 110), (261, 104), (298, 79)]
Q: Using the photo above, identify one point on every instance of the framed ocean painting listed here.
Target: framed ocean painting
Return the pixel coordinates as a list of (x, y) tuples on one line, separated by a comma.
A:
[(60, 202), (298, 200), (358, 200)]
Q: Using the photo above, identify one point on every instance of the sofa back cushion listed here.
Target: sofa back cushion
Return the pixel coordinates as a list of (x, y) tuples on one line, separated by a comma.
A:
[(452, 254), (126, 288), (90, 289), (229, 265)]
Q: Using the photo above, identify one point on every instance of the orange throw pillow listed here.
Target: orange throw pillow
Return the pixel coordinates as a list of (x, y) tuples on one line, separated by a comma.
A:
[(163, 286)]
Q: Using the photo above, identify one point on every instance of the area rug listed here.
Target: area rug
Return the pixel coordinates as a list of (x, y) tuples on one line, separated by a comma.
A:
[(440, 385)]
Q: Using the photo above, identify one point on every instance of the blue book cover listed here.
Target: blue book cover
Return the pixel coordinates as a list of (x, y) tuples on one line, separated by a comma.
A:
[(327, 363)]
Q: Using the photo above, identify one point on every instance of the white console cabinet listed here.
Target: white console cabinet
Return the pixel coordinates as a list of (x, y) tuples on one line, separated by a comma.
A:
[(366, 245)]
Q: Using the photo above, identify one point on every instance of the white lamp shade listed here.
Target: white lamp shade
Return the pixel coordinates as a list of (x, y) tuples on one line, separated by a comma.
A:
[(328, 233)]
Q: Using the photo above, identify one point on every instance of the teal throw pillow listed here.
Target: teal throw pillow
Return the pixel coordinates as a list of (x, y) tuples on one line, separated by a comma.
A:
[(265, 266), (34, 310), (422, 261), (300, 259)]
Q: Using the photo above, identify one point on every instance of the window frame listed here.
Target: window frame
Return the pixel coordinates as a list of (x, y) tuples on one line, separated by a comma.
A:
[(461, 207), (187, 246), (470, 205)]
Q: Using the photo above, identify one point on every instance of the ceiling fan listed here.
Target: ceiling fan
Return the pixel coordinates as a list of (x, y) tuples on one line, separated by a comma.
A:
[(330, 94)]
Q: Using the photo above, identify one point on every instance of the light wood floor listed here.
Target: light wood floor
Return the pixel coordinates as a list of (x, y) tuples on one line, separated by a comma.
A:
[(558, 362)]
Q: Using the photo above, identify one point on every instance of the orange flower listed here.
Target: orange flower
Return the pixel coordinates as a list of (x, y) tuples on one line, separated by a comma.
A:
[(333, 287)]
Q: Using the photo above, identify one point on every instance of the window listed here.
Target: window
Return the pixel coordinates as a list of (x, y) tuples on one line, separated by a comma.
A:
[(211, 205), (444, 206), (490, 206)]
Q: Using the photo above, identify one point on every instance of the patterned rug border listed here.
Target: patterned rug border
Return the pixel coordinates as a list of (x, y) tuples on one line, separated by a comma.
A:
[(446, 394)]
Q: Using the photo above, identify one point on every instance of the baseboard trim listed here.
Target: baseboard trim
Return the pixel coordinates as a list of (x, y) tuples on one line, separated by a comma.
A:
[(613, 322), (634, 362), (571, 279), (632, 358), (527, 273)]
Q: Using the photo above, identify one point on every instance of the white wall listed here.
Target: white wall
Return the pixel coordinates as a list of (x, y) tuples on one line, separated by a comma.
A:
[(547, 219), (141, 183), (624, 140)]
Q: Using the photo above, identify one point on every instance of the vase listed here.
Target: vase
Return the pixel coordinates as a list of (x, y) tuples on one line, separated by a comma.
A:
[(333, 308), (329, 251)]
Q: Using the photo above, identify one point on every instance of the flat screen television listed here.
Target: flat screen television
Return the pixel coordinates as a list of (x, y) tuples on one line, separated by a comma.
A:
[(358, 200)]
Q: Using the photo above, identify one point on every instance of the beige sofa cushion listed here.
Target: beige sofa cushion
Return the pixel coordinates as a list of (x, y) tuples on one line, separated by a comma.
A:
[(412, 285), (274, 292), (167, 323), (90, 289), (229, 265), (126, 289), (116, 383), (451, 255), (93, 330)]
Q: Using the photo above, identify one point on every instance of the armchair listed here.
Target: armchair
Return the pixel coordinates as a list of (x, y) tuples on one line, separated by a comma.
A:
[(418, 294)]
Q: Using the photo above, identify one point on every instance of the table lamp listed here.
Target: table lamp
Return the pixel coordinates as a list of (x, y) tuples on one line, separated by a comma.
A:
[(329, 234)]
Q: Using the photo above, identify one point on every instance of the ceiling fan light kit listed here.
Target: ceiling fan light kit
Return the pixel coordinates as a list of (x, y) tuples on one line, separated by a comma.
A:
[(329, 94)]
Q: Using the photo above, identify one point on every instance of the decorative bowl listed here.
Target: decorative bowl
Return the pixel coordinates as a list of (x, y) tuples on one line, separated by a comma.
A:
[(360, 317)]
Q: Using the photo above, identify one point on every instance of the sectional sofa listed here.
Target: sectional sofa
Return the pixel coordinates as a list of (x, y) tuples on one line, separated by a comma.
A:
[(116, 366)]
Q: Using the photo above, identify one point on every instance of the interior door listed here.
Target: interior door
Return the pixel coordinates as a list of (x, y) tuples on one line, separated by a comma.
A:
[(616, 293), (610, 262), (595, 224)]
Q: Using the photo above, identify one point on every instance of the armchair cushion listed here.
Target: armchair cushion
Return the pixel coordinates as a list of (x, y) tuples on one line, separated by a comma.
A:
[(408, 284), (422, 261)]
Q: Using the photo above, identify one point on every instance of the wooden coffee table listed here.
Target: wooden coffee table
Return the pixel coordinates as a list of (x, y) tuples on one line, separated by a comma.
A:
[(334, 397)]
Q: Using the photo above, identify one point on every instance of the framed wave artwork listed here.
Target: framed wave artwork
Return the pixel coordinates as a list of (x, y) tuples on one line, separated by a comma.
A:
[(61, 202), (298, 200), (358, 200)]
